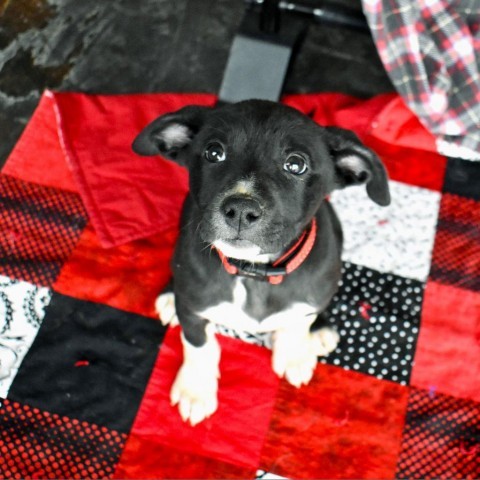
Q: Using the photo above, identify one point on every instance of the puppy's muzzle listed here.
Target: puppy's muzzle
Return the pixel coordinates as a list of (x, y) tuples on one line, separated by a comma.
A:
[(241, 212)]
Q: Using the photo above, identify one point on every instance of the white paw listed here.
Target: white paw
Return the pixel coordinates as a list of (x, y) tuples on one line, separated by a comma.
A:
[(325, 341), (195, 393), (294, 358), (165, 307)]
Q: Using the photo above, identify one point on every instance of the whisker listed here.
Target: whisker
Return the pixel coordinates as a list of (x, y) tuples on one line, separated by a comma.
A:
[(208, 245), (187, 225), (198, 227)]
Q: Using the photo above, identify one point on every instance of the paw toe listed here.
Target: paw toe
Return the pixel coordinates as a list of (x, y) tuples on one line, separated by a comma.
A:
[(325, 341), (299, 375), (196, 400)]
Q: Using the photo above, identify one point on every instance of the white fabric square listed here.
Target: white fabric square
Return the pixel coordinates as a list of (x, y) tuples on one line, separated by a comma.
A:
[(398, 238), (22, 308)]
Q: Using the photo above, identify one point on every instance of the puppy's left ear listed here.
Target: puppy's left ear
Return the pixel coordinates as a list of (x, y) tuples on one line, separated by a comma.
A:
[(170, 134), (356, 164)]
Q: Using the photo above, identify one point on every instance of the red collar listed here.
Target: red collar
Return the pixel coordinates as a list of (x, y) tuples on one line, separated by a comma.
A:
[(275, 271)]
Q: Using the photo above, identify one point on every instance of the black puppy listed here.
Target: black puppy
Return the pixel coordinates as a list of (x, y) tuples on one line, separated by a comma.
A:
[(260, 246)]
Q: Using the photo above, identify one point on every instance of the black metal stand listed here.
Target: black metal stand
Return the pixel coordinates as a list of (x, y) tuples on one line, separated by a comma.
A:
[(260, 54), (262, 49)]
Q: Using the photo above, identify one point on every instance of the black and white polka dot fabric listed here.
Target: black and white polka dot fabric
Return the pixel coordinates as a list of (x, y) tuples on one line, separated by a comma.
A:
[(377, 316)]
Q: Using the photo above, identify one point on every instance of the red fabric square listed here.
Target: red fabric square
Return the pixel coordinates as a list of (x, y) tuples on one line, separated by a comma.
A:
[(447, 358), (38, 444), (342, 425), (146, 458), (410, 165), (38, 156), (128, 277), (406, 147), (127, 196), (235, 432), (341, 110), (398, 125)]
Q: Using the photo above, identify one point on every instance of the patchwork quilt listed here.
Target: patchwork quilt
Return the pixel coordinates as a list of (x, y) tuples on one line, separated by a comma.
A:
[(87, 229)]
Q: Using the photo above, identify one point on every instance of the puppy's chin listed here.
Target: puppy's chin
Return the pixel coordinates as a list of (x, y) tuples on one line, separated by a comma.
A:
[(243, 250)]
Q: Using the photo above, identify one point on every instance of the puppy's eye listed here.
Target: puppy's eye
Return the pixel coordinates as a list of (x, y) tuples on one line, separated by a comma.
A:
[(215, 153), (295, 164)]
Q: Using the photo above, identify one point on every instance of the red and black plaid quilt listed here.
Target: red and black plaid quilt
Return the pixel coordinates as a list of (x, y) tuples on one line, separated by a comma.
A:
[(86, 233)]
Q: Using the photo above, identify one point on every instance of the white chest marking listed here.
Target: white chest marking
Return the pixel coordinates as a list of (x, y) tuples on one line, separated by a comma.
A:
[(232, 314)]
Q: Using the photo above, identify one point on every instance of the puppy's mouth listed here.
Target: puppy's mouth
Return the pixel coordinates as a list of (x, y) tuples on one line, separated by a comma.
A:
[(242, 250), (240, 243)]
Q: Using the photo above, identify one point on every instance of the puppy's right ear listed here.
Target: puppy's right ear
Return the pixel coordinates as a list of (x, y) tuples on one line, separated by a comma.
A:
[(170, 134)]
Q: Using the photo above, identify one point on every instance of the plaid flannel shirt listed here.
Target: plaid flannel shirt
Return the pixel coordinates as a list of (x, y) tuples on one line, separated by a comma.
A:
[(431, 50)]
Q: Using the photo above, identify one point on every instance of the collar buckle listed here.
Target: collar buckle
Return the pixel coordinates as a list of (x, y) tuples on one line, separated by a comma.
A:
[(259, 271)]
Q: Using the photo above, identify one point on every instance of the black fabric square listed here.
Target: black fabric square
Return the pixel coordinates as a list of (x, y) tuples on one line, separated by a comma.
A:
[(90, 362), (462, 177), (377, 316)]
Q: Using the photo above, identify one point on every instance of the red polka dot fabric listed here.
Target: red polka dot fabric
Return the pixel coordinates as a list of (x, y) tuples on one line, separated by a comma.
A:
[(440, 438), (39, 444), (39, 227), (86, 367), (457, 245)]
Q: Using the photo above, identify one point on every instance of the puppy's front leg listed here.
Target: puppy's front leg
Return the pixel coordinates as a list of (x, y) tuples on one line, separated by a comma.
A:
[(195, 387), (293, 356)]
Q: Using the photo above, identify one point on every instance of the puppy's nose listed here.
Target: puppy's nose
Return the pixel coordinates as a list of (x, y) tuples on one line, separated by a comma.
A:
[(241, 212)]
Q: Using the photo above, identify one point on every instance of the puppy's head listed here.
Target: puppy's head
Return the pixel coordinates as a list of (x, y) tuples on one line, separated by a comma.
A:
[(259, 170)]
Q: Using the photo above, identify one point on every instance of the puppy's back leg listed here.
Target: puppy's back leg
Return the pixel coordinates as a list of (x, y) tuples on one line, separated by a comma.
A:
[(195, 387), (165, 306), (324, 337)]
